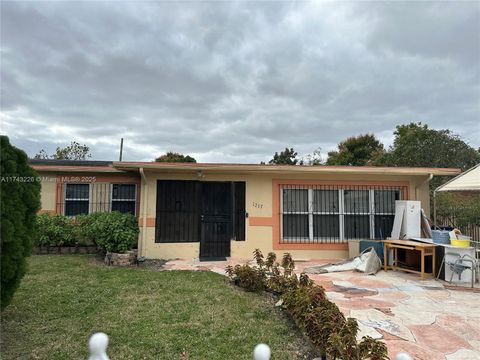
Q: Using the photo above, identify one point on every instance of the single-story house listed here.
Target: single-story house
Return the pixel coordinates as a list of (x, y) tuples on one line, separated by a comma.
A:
[(188, 210)]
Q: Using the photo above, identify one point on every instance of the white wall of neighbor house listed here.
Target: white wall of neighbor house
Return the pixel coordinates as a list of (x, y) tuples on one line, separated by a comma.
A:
[(258, 205)]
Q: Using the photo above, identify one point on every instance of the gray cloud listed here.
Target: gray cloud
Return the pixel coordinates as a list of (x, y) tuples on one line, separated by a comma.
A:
[(234, 81)]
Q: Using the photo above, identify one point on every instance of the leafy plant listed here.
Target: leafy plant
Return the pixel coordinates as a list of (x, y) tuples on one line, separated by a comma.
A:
[(54, 230), (84, 230), (114, 232), (459, 210), (307, 304), (247, 277)]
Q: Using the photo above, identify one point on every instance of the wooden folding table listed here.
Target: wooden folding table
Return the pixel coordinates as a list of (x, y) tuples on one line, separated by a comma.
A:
[(424, 248)]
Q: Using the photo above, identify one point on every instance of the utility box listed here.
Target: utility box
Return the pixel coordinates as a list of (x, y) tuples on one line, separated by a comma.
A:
[(408, 214)]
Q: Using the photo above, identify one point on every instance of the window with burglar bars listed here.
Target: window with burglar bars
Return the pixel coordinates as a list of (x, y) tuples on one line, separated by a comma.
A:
[(88, 198), (334, 214)]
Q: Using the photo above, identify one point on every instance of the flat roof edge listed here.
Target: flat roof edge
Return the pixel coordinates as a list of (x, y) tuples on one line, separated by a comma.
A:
[(258, 168), (77, 169)]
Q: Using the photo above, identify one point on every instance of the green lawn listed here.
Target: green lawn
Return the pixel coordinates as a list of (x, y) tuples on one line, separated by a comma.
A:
[(148, 314)]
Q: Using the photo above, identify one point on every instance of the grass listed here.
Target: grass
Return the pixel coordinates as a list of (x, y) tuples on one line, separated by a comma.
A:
[(148, 314)]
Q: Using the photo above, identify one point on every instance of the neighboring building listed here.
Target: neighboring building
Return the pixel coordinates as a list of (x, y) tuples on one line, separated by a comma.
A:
[(189, 210)]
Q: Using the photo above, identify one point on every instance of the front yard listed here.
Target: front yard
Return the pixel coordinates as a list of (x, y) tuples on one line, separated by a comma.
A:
[(148, 314)]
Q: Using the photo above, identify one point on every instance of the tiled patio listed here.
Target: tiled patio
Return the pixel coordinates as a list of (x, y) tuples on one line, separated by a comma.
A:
[(423, 318)]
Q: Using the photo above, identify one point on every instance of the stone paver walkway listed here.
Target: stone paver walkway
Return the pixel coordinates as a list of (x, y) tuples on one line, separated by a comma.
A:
[(423, 318)]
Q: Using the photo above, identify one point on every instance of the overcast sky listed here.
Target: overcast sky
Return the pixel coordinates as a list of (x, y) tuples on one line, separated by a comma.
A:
[(234, 82)]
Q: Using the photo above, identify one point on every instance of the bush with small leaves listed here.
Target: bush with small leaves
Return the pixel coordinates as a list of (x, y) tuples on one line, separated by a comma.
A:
[(85, 232), (247, 277), (54, 230), (320, 319), (114, 232)]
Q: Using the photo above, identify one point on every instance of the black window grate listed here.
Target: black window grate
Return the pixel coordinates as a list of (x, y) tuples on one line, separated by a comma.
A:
[(86, 198), (336, 214)]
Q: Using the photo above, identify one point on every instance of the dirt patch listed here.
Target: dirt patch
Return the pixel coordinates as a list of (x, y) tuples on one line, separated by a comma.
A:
[(154, 264)]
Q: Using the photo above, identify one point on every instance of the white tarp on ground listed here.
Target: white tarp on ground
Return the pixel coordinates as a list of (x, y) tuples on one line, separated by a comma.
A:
[(367, 262), (467, 181)]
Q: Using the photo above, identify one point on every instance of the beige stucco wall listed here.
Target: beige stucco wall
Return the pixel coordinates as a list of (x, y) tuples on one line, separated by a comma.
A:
[(153, 250), (47, 192), (258, 204), (422, 193)]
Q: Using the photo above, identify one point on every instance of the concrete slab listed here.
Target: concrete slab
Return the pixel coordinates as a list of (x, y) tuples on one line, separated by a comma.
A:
[(464, 354), (438, 338), (379, 320), (365, 330), (425, 318)]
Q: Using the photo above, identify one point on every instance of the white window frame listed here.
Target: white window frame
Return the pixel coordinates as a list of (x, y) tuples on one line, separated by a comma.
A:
[(77, 199), (340, 213), (112, 199)]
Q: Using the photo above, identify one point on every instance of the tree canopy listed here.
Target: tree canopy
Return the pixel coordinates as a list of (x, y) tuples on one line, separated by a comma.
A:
[(313, 159), (417, 145), (73, 152), (286, 157), (175, 157), (358, 150), (20, 200)]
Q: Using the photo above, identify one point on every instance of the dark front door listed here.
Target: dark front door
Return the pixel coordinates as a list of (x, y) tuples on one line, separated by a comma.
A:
[(216, 219)]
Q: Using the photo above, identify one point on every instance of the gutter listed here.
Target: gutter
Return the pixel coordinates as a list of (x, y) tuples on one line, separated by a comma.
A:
[(142, 250), (430, 177)]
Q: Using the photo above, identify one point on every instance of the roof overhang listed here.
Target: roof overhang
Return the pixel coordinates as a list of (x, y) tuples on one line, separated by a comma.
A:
[(284, 169), (467, 181), (77, 169)]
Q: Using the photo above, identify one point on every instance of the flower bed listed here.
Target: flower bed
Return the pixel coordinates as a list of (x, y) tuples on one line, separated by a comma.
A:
[(320, 319)]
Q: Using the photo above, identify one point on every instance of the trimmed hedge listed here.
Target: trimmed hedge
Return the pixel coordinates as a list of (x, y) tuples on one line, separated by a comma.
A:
[(113, 232), (20, 200)]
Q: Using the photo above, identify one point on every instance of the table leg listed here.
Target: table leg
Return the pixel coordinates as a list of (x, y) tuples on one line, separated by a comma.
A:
[(385, 256), (422, 275), (433, 263)]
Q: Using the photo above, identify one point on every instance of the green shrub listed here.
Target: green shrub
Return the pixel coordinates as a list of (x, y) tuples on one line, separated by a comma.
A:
[(84, 230), (19, 202), (247, 277), (114, 232), (320, 319), (54, 230)]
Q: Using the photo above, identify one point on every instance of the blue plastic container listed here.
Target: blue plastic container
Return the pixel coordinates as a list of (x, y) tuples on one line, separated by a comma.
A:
[(441, 237)]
